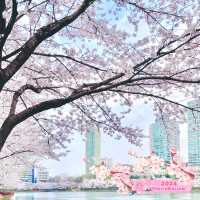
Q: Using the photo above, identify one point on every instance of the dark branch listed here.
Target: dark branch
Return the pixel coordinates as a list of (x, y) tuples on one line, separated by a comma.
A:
[(15, 153), (2, 20), (155, 96), (70, 58), (149, 10), (41, 35), (10, 25), (19, 92)]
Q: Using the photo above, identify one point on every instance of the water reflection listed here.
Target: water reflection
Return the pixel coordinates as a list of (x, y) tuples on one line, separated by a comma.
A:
[(24, 197), (102, 196)]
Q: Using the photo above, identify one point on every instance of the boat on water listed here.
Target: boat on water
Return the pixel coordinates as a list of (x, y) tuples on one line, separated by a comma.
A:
[(150, 174)]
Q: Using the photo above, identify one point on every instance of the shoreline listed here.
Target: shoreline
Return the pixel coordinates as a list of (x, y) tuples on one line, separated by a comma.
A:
[(63, 190), (76, 190), (73, 189)]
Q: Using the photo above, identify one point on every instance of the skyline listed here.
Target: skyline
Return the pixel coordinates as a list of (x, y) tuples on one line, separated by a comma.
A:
[(117, 150), (73, 163)]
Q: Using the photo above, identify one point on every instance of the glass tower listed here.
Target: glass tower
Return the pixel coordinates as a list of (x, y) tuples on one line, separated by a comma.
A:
[(164, 134), (93, 148), (193, 121)]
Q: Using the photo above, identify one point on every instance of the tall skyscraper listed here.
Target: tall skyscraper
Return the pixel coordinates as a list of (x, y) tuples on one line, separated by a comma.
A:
[(193, 121), (93, 148), (164, 134)]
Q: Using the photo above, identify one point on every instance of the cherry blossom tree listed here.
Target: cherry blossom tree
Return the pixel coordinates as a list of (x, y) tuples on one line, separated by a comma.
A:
[(25, 148), (87, 54)]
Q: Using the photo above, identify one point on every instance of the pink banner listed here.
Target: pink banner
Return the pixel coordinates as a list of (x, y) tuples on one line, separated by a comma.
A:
[(160, 185)]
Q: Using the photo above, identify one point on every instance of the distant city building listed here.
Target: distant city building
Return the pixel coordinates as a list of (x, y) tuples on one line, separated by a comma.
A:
[(184, 142), (34, 175), (29, 175), (42, 175), (93, 148), (193, 122), (164, 134), (107, 161)]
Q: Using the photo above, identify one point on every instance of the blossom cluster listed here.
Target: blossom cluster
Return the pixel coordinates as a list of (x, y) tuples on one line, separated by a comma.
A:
[(146, 168)]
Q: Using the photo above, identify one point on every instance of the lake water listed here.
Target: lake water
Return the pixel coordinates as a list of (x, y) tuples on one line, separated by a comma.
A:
[(102, 196)]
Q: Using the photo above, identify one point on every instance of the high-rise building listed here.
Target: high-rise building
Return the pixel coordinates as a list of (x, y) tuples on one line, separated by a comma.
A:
[(93, 148), (193, 122), (29, 175), (164, 134), (34, 175)]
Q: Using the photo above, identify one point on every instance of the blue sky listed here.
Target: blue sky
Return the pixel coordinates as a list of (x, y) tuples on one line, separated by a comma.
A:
[(73, 164)]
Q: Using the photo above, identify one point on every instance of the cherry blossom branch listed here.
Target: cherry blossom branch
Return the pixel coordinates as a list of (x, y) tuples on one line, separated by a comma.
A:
[(19, 92), (70, 58), (13, 119), (15, 153), (165, 78), (41, 35), (148, 10), (85, 90), (148, 13), (13, 53), (119, 81), (155, 96), (160, 53)]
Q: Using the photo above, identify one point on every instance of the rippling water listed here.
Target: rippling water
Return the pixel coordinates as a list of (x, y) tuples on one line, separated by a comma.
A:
[(102, 196)]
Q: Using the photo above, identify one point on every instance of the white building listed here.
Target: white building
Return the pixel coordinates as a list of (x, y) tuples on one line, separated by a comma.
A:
[(42, 175)]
